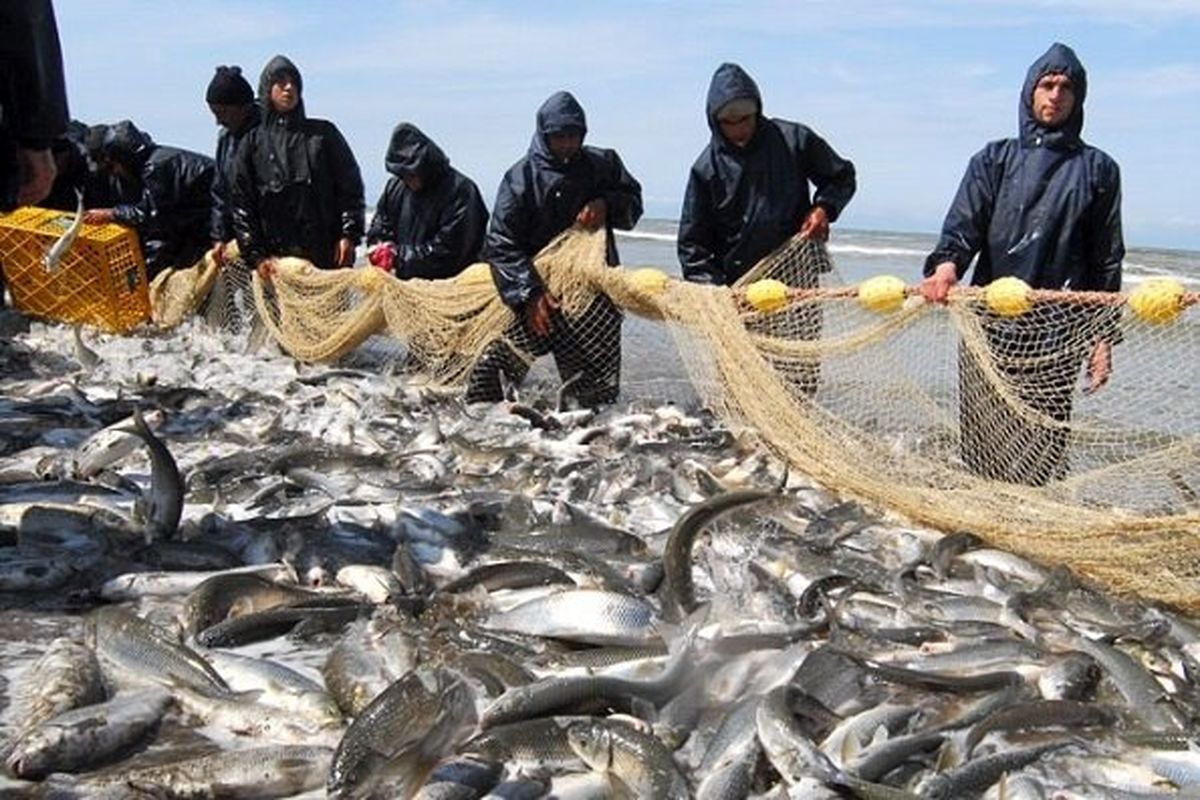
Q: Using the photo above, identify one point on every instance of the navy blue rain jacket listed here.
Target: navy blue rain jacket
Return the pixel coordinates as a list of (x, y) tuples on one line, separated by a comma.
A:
[(540, 197), (742, 203), (172, 211), (1044, 207), (437, 231), (228, 141), (297, 189)]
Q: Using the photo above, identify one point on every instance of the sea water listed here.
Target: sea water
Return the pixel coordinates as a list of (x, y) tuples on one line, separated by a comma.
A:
[(653, 369)]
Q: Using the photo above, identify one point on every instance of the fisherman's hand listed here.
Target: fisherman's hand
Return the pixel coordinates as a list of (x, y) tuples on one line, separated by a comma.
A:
[(1099, 367), (344, 256), (37, 170), (936, 288), (593, 215), (538, 313), (266, 269), (383, 255), (816, 225), (99, 216)]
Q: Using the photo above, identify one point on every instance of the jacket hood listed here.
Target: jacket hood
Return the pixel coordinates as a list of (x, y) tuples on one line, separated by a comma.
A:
[(560, 112), (277, 66), (729, 82), (411, 152), (126, 145), (1059, 60)]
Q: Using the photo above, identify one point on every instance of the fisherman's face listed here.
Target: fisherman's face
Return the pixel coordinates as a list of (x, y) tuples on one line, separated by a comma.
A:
[(565, 146), (284, 94), (413, 181), (1053, 100), (229, 117), (738, 131)]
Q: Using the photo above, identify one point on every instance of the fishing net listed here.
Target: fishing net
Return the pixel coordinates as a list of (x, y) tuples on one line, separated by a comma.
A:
[(969, 416)]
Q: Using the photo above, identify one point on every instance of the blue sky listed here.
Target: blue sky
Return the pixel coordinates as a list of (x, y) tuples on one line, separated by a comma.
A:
[(907, 90)]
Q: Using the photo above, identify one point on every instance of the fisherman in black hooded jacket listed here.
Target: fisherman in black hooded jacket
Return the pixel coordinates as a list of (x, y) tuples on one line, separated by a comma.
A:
[(559, 183), (298, 190), (231, 101), (748, 191), (430, 220), (1044, 207), (173, 196)]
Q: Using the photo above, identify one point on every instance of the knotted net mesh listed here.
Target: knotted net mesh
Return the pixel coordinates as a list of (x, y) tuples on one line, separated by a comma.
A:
[(969, 416)]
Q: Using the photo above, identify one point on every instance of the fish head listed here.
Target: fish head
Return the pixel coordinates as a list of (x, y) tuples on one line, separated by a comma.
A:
[(592, 742), (352, 779)]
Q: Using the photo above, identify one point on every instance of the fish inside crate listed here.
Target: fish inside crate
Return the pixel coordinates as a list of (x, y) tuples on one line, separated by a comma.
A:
[(99, 281)]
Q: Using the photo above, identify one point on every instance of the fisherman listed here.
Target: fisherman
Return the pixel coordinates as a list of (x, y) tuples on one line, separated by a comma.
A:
[(33, 101), (231, 101), (297, 189), (1044, 207), (174, 196), (559, 183), (749, 192), (430, 220), (78, 155)]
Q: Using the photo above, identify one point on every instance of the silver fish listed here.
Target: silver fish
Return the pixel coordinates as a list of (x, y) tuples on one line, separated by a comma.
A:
[(86, 356), (58, 250), (162, 508), (77, 739)]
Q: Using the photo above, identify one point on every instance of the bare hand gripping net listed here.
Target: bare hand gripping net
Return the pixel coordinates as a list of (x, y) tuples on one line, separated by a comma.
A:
[(970, 416)]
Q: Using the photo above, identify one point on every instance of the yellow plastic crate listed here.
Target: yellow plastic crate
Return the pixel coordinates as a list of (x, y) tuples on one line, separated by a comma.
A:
[(100, 282)]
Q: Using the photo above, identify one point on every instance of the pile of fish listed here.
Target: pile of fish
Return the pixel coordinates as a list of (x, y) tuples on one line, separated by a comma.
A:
[(229, 574)]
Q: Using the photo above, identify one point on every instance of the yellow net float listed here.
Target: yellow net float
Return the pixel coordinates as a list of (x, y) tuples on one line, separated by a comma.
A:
[(767, 295), (1158, 301), (882, 294), (649, 280), (1008, 297)]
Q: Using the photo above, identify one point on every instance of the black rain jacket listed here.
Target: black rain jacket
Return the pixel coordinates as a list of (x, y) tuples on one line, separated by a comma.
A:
[(437, 231), (742, 203), (172, 209), (221, 224), (297, 189), (33, 94), (1044, 207), (540, 196)]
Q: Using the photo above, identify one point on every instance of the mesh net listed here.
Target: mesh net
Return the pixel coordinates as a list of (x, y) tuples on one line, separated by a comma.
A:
[(969, 416)]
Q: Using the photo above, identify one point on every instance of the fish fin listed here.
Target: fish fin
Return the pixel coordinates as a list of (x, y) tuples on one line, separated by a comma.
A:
[(948, 757)]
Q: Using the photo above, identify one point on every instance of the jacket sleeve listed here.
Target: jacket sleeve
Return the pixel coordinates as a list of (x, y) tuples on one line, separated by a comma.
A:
[(247, 221), (1105, 242), (34, 101), (348, 185), (509, 241), (155, 199), (965, 227), (697, 234), (220, 226), (383, 222), (1106, 246), (622, 194), (460, 229), (833, 176)]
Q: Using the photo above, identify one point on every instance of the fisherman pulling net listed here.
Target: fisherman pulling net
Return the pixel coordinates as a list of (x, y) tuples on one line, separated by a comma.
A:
[(965, 418)]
